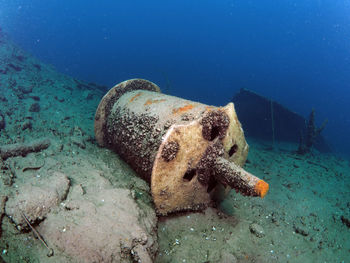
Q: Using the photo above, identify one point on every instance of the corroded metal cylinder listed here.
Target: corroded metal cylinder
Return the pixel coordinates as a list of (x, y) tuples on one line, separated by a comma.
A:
[(184, 149)]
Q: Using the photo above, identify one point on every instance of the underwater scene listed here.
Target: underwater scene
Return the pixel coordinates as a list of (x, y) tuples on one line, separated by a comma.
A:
[(174, 131)]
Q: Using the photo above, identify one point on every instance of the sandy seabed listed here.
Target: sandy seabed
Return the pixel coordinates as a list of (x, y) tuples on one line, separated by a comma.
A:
[(89, 206)]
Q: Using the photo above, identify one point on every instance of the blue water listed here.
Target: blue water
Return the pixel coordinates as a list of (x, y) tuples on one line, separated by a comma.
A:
[(296, 52)]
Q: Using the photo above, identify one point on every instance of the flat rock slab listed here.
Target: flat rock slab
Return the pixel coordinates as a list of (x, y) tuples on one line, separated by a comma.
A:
[(36, 198), (105, 226)]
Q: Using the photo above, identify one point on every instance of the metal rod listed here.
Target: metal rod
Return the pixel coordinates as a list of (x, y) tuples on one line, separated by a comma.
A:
[(51, 252), (228, 173)]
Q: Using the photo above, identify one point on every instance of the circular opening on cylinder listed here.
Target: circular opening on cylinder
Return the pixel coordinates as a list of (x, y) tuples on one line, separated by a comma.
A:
[(189, 175), (215, 132), (211, 184), (233, 150)]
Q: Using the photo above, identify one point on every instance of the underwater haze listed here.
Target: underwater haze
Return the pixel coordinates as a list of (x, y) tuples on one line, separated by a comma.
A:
[(131, 175), (295, 52)]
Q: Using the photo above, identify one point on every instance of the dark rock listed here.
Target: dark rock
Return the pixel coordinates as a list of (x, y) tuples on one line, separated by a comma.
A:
[(37, 66), (35, 107), (313, 214), (2, 98), (60, 147), (20, 95), (301, 231), (345, 220), (98, 87), (59, 99), (16, 68), (20, 58), (25, 90), (27, 125), (320, 245), (79, 142), (274, 219), (335, 218), (90, 96), (12, 84), (36, 98), (3, 71), (81, 86), (7, 175), (2, 121)]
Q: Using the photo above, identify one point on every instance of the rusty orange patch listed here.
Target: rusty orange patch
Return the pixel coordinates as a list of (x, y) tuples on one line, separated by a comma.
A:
[(209, 108), (137, 95), (183, 109), (150, 101), (261, 188)]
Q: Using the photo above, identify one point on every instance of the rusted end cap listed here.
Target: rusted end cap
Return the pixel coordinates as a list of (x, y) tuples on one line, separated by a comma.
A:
[(262, 188), (108, 100)]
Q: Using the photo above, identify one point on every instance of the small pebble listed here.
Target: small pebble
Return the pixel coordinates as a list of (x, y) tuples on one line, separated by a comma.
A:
[(257, 230)]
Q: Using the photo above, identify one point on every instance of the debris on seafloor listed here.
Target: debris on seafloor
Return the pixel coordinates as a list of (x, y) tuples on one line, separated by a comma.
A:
[(266, 119), (2, 122), (184, 149), (22, 149), (307, 140), (50, 252), (3, 200)]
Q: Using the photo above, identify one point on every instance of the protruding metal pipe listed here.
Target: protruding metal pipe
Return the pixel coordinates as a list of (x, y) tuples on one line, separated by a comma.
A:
[(228, 173)]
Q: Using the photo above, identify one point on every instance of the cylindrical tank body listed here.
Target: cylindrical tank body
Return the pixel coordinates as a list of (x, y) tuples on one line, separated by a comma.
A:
[(167, 141)]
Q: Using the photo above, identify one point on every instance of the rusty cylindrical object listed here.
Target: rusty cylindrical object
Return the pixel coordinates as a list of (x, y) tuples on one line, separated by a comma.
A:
[(184, 149)]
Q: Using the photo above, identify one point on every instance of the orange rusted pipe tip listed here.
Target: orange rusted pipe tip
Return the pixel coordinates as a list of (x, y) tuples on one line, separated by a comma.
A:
[(261, 188)]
